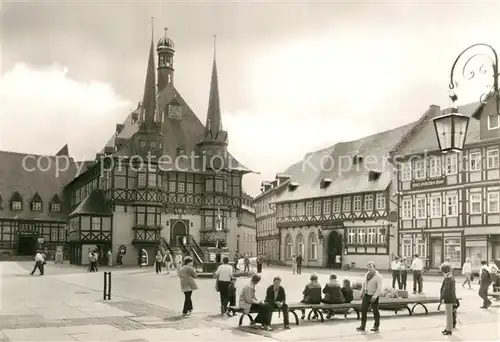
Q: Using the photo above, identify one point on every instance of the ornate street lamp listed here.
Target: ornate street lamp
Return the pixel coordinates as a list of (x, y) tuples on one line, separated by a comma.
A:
[(451, 129)]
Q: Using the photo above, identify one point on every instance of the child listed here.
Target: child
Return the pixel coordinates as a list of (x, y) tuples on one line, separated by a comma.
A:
[(232, 295), (347, 291)]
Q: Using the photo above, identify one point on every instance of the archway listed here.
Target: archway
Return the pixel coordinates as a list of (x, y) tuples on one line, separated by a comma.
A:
[(334, 247), (178, 230)]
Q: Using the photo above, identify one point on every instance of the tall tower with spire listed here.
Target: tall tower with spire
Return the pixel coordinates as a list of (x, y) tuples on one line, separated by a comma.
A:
[(214, 140), (149, 137), (165, 49)]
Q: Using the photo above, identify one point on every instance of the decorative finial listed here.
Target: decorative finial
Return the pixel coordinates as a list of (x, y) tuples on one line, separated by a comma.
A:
[(152, 27), (215, 46), (166, 29)]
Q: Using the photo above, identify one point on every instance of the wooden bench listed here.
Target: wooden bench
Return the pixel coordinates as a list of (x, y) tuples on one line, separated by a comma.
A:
[(398, 304), (495, 295)]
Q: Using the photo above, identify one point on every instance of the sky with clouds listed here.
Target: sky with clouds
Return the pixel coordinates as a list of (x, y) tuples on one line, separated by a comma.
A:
[(293, 76)]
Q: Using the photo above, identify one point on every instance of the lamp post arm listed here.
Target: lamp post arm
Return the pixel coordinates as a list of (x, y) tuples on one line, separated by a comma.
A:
[(468, 72)]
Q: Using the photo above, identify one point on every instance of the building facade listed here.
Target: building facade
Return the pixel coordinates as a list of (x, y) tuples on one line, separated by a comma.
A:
[(164, 180), (338, 201), (268, 236), (449, 203), (247, 229)]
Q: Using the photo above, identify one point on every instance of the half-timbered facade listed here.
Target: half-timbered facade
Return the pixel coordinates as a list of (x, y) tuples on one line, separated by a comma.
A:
[(163, 179), (449, 203), (338, 202), (245, 234), (268, 235), (33, 214)]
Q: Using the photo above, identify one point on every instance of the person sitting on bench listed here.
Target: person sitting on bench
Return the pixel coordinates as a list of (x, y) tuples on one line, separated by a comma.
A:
[(312, 294), (333, 293), (347, 291), (276, 297), (249, 303)]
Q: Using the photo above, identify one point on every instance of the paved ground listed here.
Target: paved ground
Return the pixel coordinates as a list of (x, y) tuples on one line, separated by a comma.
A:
[(66, 305)]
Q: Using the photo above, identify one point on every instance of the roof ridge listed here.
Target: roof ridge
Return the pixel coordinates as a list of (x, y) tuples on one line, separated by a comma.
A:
[(32, 154)]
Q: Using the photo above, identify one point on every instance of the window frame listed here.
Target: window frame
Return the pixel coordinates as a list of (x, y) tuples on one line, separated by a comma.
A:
[(435, 166), (406, 172), (448, 206), (381, 198), (421, 209), (472, 202), (417, 170), (475, 157), (493, 157), (357, 203), (434, 214), (490, 127), (407, 213), (497, 209), (451, 164), (368, 200)]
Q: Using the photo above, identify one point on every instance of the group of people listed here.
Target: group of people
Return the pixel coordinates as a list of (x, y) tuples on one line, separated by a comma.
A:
[(400, 268), (170, 261), (297, 263)]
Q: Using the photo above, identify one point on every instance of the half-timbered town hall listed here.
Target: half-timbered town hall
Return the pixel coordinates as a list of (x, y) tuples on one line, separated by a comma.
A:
[(163, 179)]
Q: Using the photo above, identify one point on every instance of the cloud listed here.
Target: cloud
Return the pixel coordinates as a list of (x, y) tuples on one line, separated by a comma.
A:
[(41, 109)]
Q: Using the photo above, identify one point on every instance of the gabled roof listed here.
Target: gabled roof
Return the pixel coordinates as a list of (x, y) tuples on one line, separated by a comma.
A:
[(337, 163), (28, 179), (422, 137), (187, 132), (93, 204)]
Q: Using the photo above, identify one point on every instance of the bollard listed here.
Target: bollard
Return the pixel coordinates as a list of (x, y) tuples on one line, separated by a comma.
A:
[(106, 292)]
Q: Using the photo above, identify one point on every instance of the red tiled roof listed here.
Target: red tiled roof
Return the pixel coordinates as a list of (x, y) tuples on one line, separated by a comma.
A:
[(30, 179)]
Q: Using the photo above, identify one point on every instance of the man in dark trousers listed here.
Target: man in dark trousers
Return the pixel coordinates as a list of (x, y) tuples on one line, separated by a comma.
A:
[(275, 296), (485, 280), (299, 264)]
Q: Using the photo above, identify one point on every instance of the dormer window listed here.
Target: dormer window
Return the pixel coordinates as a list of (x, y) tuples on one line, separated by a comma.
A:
[(373, 175), (143, 143), (153, 144), (493, 121), (16, 201), (134, 117), (55, 204), (36, 203), (325, 182), (292, 186), (180, 151)]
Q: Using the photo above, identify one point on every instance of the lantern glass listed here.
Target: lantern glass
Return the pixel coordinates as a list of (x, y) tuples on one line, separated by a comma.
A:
[(451, 131)]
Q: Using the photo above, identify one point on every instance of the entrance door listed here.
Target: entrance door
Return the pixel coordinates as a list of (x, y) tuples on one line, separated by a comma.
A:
[(178, 230), (437, 252), (334, 248), (26, 245)]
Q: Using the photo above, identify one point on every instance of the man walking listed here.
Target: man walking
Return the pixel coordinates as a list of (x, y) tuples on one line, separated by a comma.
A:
[(417, 267), (396, 274), (168, 261), (485, 279), (39, 263), (371, 289)]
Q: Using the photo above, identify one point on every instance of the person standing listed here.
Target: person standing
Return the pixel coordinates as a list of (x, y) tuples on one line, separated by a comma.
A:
[(495, 281), (259, 263), (294, 264), (403, 273), (178, 262), (249, 302), (338, 261), (119, 259), (39, 263), (396, 272), (370, 291), (417, 267), (246, 264), (485, 279), (448, 296), (467, 272), (110, 258), (299, 263), (223, 275), (236, 260), (187, 275), (158, 261), (276, 298), (168, 261)]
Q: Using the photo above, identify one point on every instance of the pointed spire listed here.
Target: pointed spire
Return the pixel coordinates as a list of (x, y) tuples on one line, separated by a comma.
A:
[(213, 125), (149, 100)]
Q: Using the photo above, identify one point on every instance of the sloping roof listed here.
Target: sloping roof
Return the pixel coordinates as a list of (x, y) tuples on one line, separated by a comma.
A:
[(185, 133), (337, 163), (423, 137), (95, 203), (19, 172)]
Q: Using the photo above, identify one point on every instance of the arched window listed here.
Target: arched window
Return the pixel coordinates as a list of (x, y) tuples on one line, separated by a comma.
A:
[(288, 247), (313, 246), (300, 245)]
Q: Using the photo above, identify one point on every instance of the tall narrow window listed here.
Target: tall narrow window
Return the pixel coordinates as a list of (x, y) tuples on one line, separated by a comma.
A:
[(368, 202), (380, 201), (336, 205), (419, 169), (421, 208), (492, 156), (346, 205), (141, 179), (452, 205), (475, 161), (405, 172), (451, 164), (327, 207), (435, 166), (357, 203), (406, 209), (475, 203), (309, 208), (493, 205), (436, 207), (317, 208)]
